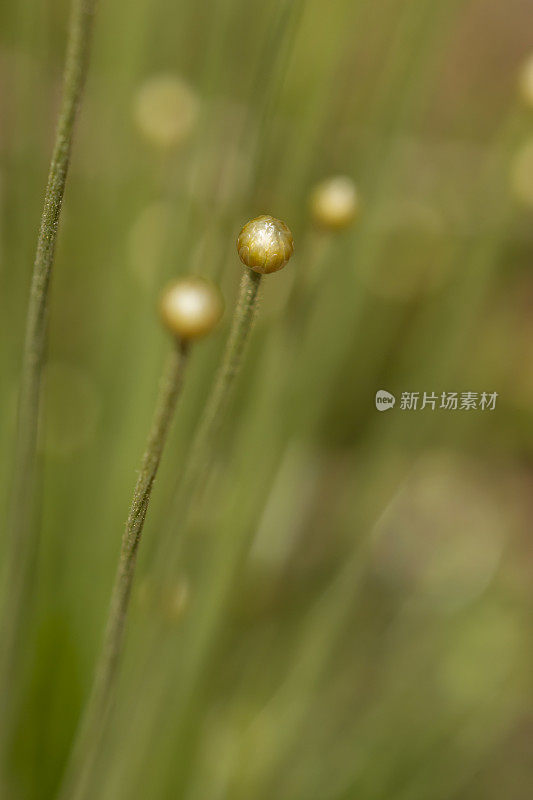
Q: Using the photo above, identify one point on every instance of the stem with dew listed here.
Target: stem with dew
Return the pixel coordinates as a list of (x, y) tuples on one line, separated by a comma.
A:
[(89, 735), (22, 538)]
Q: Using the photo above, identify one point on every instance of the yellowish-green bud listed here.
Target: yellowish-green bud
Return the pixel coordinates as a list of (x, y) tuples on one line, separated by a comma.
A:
[(265, 244), (335, 203), (191, 307), (166, 110)]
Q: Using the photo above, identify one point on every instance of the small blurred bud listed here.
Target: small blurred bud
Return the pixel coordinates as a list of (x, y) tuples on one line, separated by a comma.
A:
[(265, 244), (191, 307), (166, 110), (335, 203), (525, 82), (522, 174)]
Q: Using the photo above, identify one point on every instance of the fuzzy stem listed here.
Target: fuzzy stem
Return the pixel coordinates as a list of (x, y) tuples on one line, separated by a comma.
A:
[(22, 537), (229, 368), (191, 482), (89, 735)]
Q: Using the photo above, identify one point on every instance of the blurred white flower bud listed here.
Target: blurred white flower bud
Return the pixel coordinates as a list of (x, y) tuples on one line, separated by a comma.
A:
[(335, 203), (166, 110)]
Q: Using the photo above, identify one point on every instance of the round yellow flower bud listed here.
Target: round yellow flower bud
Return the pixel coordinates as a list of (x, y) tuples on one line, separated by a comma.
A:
[(265, 244), (165, 110), (191, 307), (335, 203), (526, 81)]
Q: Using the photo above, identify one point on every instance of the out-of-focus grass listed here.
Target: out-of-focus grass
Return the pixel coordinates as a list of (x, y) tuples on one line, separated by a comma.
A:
[(347, 616)]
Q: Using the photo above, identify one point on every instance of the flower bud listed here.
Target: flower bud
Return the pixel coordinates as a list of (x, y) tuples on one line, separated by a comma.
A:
[(191, 307), (265, 244), (334, 203), (165, 110)]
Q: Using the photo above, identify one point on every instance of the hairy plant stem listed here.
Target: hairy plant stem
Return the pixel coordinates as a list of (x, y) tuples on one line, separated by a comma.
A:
[(199, 460), (22, 537), (92, 727), (213, 414)]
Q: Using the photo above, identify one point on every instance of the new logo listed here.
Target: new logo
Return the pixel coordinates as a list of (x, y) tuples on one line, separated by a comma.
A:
[(384, 400)]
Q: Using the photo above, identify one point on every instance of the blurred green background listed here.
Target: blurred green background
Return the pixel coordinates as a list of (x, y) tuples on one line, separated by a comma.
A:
[(348, 614)]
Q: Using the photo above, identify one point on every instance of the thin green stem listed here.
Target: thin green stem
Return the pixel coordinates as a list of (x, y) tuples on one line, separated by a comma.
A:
[(232, 359), (202, 448), (22, 538), (89, 735)]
